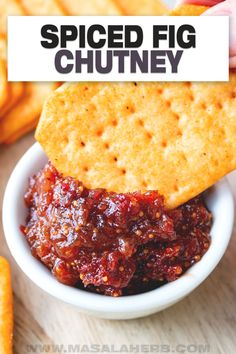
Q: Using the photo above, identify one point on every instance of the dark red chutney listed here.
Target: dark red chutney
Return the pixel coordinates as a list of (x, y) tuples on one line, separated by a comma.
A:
[(109, 243)]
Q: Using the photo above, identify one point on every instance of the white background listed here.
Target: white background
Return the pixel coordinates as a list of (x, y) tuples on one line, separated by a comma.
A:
[(29, 61)]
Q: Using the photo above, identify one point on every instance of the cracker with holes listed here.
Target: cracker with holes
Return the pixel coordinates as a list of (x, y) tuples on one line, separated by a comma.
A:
[(142, 136), (128, 137)]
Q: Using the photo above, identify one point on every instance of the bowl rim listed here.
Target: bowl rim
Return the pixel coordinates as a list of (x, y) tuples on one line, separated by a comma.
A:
[(154, 299)]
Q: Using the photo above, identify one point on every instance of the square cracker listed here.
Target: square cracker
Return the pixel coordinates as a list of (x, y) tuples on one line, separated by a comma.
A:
[(142, 7), (129, 136), (6, 308), (91, 7), (142, 136)]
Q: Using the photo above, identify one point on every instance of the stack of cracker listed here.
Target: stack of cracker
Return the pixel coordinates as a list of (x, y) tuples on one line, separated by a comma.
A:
[(21, 103)]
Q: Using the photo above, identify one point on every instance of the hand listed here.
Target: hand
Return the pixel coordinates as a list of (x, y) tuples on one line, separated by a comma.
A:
[(220, 7)]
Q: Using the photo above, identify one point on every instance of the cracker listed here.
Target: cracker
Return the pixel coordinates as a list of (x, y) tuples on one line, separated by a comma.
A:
[(188, 10), (7, 8), (26, 111), (20, 113), (13, 91), (16, 91), (6, 308), (21, 132), (41, 7), (3, 46), (91, 7), (142, 7), (3, 83), (126, 137)]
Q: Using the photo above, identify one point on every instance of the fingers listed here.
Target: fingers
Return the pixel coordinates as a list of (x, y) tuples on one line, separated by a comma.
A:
[(200, 2), (219, 8), (227, 8), (232, 62), (222, 8)]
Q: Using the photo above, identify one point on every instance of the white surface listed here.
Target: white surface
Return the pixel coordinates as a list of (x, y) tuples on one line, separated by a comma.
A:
[(219, 201)]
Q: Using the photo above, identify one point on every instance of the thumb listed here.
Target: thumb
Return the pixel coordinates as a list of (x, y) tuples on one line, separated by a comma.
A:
[(227, 8)]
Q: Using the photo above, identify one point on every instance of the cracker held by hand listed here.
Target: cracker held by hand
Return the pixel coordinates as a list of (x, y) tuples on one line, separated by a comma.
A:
[(177, 138), (6, 310)]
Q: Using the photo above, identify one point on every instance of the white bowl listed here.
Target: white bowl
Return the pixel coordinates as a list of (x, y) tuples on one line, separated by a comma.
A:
[(219, 200)]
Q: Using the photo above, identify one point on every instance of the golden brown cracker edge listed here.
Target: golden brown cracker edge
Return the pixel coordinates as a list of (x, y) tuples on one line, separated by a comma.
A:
[(26, 111), (21, 132), (3, 46), (9, 7), (87, 131), (188, 10), (6, 308), (14, 89), (92, 7), (41, 7), (4, 91), (16, 92), (142, 7)]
